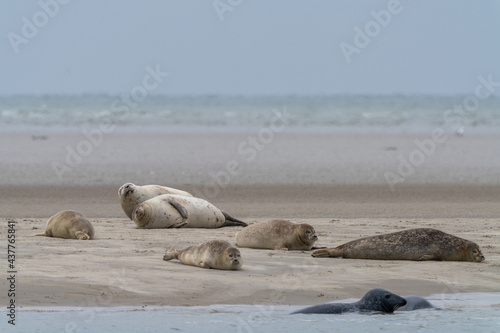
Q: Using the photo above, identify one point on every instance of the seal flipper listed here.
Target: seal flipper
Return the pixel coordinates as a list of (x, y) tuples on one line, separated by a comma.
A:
[(178, 225), (42, 234), (179, 207), (327, 252), (232, 222), (429, 257), (170, 254)]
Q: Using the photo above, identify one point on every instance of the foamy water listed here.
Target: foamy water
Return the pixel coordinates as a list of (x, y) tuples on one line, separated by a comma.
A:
[(338, 113), (469, 312)]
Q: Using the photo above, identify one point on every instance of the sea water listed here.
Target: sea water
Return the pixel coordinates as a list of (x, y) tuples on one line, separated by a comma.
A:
[(468, 312), (335, 113)]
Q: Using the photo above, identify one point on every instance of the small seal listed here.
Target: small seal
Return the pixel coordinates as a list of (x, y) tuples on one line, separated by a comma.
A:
[(131, 195), (416, 303), (412, 244), (176, 211), (215, 254), (378, 300), (69, 224), (277, 235)]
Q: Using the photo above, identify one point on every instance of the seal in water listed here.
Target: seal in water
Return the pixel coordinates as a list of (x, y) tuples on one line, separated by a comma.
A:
[(378, 300)]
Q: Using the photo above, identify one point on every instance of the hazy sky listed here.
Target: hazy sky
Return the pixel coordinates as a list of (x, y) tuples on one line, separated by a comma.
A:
[(249, 46)]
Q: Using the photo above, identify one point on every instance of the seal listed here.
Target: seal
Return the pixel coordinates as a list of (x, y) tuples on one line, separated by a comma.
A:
[(68, 224), (215, 254), (412, 244), (176, 211), (378, 300), (277, 235), (416, 303), (131, 195)]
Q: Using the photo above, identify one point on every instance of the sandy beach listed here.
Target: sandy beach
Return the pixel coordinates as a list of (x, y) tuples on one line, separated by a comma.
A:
[(340, 191)]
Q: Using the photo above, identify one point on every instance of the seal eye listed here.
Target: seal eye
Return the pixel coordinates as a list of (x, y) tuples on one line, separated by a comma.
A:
[(474, 252), (230, 256), (308, 231), (387, 296)]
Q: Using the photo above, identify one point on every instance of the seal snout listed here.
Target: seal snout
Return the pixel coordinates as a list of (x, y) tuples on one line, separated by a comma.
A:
[(401, 304), (126, 189), (479, 257)]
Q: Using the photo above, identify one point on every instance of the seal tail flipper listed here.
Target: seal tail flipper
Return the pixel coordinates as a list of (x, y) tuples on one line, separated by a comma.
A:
[(170, 254), (328, 252), (42, 234), (232, 222)]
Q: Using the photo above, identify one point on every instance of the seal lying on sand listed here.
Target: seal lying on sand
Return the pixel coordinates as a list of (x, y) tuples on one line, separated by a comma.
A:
[(412, 244), (416, 303), (176, 211), (277, 235), (69, 224), (213, 254), (131, 195), (379, 300)]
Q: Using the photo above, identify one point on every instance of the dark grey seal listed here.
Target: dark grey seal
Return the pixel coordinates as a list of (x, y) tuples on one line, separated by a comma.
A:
[(379, 300), (416, 303)]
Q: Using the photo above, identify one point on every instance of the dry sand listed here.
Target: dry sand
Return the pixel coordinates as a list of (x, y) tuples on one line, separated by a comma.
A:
[(334, 182), (124, 266)]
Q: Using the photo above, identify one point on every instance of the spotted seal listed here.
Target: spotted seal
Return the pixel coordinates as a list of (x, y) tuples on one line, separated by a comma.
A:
[(277, 235), (131, 195), (69, 224), (412, 244), (176, 211), (216, 254)]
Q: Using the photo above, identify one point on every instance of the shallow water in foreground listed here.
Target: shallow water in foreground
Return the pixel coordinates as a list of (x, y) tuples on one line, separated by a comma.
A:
[(471, 312)]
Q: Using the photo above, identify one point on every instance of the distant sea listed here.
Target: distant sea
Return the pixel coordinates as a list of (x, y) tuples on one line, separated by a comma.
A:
[(213, 113)]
